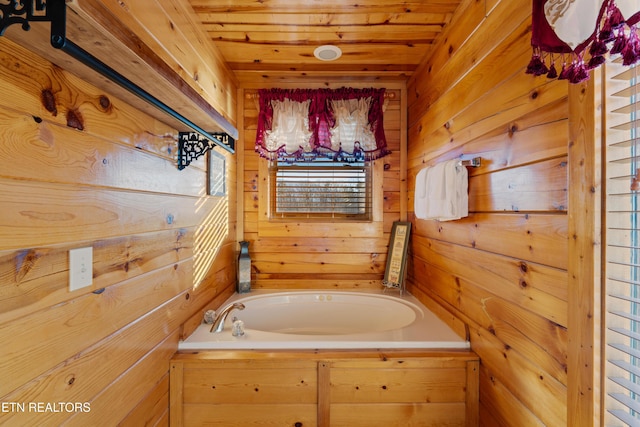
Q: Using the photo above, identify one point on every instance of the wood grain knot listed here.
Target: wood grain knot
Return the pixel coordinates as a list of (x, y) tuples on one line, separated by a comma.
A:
[(49, 101), (523, 267), (105, 103), (74, 119)]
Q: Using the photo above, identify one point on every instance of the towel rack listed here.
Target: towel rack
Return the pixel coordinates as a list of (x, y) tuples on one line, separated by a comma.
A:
[(473, 162)]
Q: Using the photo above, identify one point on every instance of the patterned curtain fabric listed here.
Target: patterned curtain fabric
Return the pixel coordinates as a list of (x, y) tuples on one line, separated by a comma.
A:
[(303, 124), (576, 36), (351, 131), (290, 126)]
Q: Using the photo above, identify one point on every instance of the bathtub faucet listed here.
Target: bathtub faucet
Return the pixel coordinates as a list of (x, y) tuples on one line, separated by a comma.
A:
[(218, 321)]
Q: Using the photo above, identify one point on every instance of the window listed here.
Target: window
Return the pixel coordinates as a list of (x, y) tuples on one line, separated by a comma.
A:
[(321, 189), (622, 248), (216, 185)]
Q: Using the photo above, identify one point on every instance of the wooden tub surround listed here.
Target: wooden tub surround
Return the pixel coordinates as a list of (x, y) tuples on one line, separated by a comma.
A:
[(324, 388)]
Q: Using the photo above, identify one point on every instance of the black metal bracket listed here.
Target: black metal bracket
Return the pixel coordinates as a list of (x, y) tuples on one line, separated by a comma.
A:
[(55, 11), (21, 12), (192, 145)]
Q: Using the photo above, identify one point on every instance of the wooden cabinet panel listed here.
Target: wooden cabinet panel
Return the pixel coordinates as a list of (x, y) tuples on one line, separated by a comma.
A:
[(398, 414), (398, 385), (250, 386), (241, 415), (324, 388)]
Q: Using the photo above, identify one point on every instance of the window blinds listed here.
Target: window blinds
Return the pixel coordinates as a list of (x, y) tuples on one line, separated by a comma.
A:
[(622, 248), (321, 191)]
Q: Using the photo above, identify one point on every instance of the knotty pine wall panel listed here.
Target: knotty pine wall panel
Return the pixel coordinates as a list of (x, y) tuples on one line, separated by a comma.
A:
[(303, 254), (503, 269), (79, 168)]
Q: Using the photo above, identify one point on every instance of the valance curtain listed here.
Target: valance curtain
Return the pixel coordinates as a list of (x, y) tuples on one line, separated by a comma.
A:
[(304, 124), (571, 37)]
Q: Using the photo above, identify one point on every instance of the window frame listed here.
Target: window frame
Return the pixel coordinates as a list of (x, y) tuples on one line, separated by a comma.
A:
[(298, 227)]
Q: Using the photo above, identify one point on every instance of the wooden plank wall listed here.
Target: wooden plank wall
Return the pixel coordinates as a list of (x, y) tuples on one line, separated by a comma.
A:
[(503, 270), (170, 30), (309, 255), (79, 168)]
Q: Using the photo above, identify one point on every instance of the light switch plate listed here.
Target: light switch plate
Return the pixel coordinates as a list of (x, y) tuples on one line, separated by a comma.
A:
[(80, 268)]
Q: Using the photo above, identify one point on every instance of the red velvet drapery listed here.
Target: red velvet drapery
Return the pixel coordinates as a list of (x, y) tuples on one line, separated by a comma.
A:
[(613, 33), (321, 121)]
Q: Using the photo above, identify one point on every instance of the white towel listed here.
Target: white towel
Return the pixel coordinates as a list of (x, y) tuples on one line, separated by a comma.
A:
[(420, 194), (446, 187), (442, 200), (462, 191)]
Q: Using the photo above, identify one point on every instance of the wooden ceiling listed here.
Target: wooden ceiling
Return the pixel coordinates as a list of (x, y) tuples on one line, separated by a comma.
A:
[(275, 39), (161, 46)]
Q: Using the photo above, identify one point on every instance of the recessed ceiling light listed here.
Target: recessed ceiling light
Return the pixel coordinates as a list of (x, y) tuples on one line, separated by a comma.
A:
[(327, 52)]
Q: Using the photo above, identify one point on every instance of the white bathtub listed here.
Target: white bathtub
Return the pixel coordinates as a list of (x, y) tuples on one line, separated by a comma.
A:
[(328, 320)]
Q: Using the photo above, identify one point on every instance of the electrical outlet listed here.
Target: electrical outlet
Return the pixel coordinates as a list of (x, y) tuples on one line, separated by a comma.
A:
[(80, 268)]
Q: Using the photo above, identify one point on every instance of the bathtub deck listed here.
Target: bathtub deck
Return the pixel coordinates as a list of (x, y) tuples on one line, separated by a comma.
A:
[(268, 312)]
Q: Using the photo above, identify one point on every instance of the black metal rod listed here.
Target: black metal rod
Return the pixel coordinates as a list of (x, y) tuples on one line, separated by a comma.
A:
[(55, 11), (94, 63)]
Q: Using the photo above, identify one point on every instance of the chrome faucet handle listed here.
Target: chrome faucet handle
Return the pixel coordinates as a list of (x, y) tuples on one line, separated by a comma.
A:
[(218, 322), (209, 316)]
